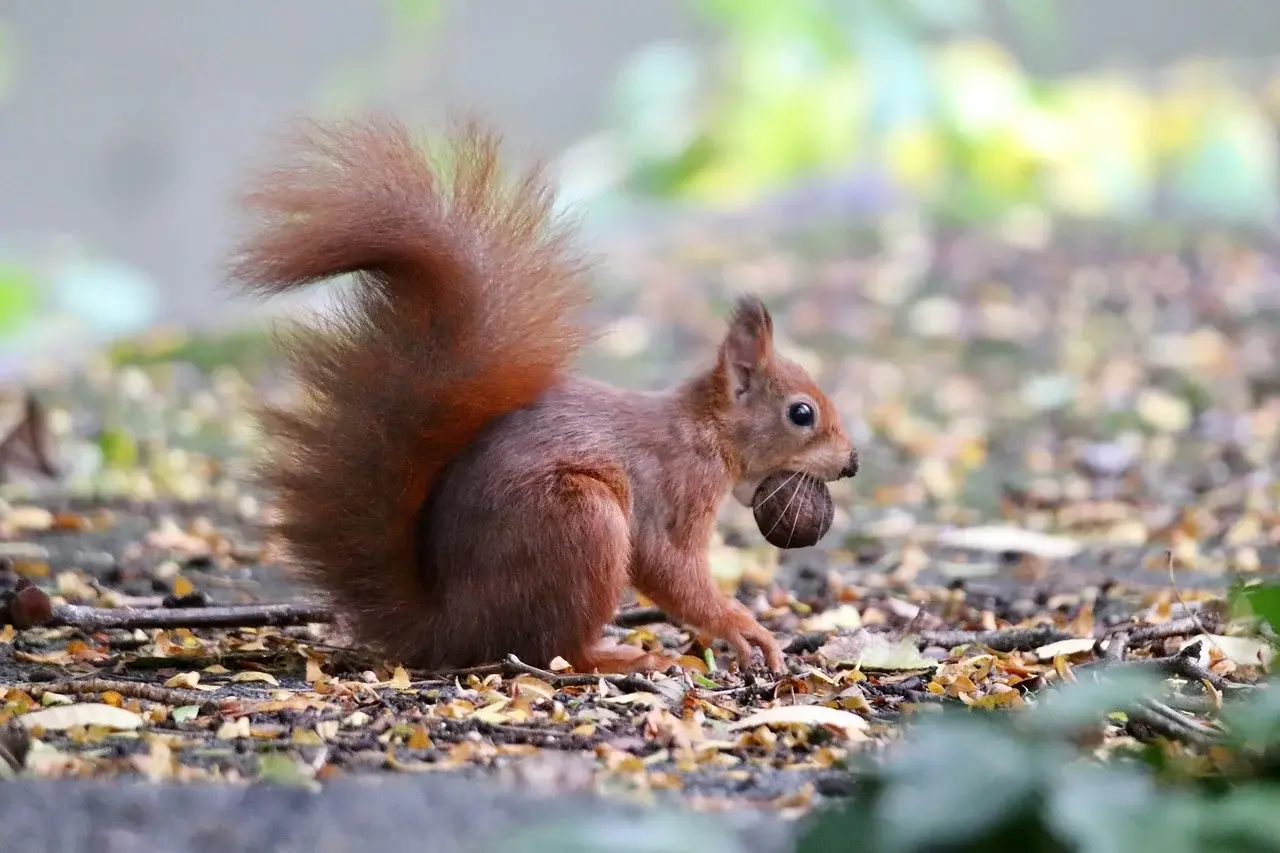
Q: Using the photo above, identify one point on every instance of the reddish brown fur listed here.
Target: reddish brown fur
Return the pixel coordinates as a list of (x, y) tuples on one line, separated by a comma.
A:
[(454, 488)]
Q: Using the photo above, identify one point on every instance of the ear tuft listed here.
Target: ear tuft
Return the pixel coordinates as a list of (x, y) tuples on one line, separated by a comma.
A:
[(748, 345)]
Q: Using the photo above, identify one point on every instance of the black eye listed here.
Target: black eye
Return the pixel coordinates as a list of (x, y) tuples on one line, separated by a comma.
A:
[(801, 414)]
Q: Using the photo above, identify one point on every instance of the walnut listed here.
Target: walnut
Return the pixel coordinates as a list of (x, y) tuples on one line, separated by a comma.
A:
[(793, 510)]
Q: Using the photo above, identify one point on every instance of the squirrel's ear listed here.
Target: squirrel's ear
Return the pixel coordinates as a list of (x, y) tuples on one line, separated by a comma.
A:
[(748, 345)]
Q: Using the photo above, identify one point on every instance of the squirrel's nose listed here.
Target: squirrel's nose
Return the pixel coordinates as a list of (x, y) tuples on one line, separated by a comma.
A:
[(851, 467)]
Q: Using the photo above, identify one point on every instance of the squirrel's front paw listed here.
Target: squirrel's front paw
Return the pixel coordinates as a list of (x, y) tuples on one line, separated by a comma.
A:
[(745, 634)]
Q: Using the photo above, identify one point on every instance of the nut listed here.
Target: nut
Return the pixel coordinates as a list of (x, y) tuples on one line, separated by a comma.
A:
[(792, 510)]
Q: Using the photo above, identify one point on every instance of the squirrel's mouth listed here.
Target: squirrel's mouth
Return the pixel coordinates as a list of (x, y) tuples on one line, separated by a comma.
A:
[(744, 490)]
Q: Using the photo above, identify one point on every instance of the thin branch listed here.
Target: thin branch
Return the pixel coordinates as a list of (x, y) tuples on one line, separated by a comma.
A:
[(92, 619), (152, 612), (637, 616), (1006, 640), (1177, 594), (1163, 720), (513, 666), (127, 689), (631, 681), (1186, 663), (1162, 631)]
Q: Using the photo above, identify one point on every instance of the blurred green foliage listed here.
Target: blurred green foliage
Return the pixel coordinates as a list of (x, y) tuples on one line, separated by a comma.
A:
[(914, 90), (964, 782), (19, 296), (970, 781), (19, 288)]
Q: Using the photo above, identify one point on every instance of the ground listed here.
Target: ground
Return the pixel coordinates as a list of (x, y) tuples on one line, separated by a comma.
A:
[(1068, 456)]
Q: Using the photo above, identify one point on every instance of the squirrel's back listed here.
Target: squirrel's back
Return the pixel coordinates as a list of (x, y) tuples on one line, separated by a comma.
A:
[(465, 307)]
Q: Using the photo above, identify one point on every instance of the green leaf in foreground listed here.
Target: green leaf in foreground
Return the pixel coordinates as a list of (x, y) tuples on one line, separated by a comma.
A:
[(1261, 600), (1077, 705)]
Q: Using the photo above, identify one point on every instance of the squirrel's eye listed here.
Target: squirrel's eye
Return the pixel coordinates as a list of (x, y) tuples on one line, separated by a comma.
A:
[(801, 414)]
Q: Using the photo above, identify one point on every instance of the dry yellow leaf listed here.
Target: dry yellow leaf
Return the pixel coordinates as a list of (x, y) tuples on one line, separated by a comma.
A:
[(493, 712), (314, 673), (184, 679), (532, 687), (697, 664), (253, 675), (233, 729), (419, 739), (306, 737), (399, 679)]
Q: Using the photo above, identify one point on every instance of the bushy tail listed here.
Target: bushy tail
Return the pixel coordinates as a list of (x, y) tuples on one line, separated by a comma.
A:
[(465, 307)]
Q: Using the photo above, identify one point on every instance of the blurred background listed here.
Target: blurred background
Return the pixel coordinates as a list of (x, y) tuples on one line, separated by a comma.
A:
[(970, 216), (127, 126)]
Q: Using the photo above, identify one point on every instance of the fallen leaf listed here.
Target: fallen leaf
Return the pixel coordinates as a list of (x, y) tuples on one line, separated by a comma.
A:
[(233, 729), (185, 712), (252, 675), (844, 616), (64, 717), (1017, 540), (853, 726), (184, 679), (399, 679), (532, 687), (1073, 646), (1246, 651), (419, 739), (865, 650)]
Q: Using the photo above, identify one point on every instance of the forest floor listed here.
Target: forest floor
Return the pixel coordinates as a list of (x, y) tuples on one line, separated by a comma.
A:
[(1069, 459)]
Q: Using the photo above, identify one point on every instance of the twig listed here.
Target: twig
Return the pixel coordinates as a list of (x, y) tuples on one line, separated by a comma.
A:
[(1117, 645), (514, 666), (1187, 664), (128, 689), (1006, 640), (1162, 631), (148, 612), (803, 644), (872, 691), (230, 616), (482, 670), (15, 743), (1162, 719), (637, 616), (1177, 594), (631, 681)]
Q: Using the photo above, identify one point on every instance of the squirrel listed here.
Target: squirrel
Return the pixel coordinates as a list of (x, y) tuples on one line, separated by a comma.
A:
[(446, 479)]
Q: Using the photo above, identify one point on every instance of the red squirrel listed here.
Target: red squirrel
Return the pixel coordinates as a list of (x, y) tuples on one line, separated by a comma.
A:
[(447, 480)]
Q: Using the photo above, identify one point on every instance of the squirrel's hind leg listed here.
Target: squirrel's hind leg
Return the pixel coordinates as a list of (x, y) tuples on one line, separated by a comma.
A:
[(589, 517), (596, 504), (607, 655)]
